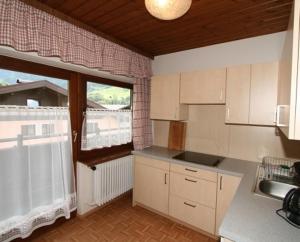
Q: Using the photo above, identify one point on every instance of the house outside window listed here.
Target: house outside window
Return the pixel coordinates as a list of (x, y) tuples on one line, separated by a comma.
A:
[(47, 129), (28, 130)]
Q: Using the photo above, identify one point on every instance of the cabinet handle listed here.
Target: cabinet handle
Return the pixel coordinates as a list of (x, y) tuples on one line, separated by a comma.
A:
[(221, 182), (193, 206), (278, 124), (221, 94), (190, 180), (187, 169), (227, 113), (275, 116), (165, 178)]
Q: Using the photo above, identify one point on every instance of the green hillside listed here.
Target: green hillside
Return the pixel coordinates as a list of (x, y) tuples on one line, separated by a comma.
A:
[(3, 82), (109, 95)]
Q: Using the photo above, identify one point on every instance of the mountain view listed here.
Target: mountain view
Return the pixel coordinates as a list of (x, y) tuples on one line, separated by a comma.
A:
[(99, 93)]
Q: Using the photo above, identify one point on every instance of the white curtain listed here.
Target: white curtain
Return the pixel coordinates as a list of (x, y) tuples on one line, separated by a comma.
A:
[(106, 128), (36, 169)]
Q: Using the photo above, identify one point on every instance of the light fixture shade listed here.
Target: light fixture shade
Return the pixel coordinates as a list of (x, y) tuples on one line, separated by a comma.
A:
[(167, 9)]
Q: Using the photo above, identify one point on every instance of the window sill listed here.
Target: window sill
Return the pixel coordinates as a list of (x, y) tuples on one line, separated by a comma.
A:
[(112, 153)]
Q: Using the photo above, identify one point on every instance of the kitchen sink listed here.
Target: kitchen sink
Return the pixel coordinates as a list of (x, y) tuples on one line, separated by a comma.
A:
[(275, 189)]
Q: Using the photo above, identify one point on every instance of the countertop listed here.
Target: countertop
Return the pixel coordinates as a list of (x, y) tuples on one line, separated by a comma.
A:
[(250, 217)]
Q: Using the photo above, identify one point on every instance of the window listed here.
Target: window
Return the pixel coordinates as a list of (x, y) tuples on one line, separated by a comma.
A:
[(109, 97), (31, 95), (47, 129), (26, 89), (108, 117), (36, 86), (28, 130), (33, 103)]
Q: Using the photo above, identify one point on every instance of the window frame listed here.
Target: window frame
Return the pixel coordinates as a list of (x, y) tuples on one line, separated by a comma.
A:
[(77, 105), (96, 156)]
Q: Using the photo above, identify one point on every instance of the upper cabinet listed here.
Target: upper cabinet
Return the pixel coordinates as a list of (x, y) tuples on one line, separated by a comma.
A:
[(263, 93), (203, 87), (165, 90), (288, 110), (251, 94), (238, 94)]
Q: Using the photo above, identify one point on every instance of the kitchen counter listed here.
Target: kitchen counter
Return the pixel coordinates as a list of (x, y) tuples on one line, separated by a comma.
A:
[(250, 217)]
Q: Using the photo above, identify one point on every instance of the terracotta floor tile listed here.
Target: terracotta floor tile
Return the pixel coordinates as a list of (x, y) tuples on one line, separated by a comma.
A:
[(119, 222)]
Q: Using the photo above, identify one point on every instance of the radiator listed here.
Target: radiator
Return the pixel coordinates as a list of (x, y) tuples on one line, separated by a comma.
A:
[(113, 178)]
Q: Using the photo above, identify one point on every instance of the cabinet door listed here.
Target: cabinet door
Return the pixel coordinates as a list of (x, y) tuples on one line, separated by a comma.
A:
[(151, 187), (238, 94), (227, 186), (288, 114), (165, 98), (194, 189), (263, 93), (193, 213), (203, 87)]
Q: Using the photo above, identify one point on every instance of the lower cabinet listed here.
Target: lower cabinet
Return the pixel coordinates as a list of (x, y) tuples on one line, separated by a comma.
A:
[(227, 186), (151, 183), (192, 213), (194, 196)]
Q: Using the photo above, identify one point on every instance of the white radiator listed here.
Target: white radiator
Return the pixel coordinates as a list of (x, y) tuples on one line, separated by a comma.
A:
[(113, 178)]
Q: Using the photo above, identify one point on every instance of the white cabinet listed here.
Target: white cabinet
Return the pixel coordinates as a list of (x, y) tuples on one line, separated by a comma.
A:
[(263, 93), (164, 103), (288, 112), (194, 189), (192, 213), (227, 186), (238, 94), (193, 196), (203, 87), (151, 183), (251, 94)]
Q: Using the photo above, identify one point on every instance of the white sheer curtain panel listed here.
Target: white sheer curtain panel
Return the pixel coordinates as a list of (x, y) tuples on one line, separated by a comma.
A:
[(106, 128), (36, 169)]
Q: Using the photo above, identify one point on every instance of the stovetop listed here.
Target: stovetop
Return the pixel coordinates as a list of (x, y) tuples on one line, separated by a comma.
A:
[(199, 158)]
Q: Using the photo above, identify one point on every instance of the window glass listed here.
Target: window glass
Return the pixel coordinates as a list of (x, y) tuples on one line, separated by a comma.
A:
[(102, 96), (33, 103), (24, 89)]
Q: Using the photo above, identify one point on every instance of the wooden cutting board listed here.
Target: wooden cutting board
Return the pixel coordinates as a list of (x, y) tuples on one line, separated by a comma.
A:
[(177, 133)]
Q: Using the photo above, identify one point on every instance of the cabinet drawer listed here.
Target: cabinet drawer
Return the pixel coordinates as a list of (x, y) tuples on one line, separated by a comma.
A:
[(192, 213), (152, 162), (194, 189), (195, 172)]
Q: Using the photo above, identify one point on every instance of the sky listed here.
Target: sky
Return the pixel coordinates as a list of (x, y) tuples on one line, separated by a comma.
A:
[(11, 77)]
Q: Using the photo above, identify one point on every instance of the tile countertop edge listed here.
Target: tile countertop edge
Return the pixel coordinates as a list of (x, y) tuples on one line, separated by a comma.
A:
[(250, 217)]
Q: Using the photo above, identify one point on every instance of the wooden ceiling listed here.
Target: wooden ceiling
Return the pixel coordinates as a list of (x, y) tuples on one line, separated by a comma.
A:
[(207, 22)]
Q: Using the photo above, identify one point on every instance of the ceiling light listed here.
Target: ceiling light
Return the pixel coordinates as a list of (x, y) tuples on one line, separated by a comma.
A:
[(167, 9)]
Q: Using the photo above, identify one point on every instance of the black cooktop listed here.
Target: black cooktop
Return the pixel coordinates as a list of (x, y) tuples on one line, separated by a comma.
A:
[(199, 158)]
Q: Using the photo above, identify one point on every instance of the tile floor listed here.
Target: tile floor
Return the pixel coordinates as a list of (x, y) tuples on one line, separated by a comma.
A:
[(119, 221)]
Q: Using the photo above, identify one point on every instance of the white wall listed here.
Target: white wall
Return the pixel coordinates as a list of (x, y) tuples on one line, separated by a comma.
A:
[(253, 50), (85, 184)]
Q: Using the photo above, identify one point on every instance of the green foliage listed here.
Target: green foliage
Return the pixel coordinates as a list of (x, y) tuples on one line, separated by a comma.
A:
[(108, 95), (3, 82)]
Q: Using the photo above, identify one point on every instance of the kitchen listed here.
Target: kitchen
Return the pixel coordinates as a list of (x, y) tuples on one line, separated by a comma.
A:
[(179, 125), (229, 101)]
